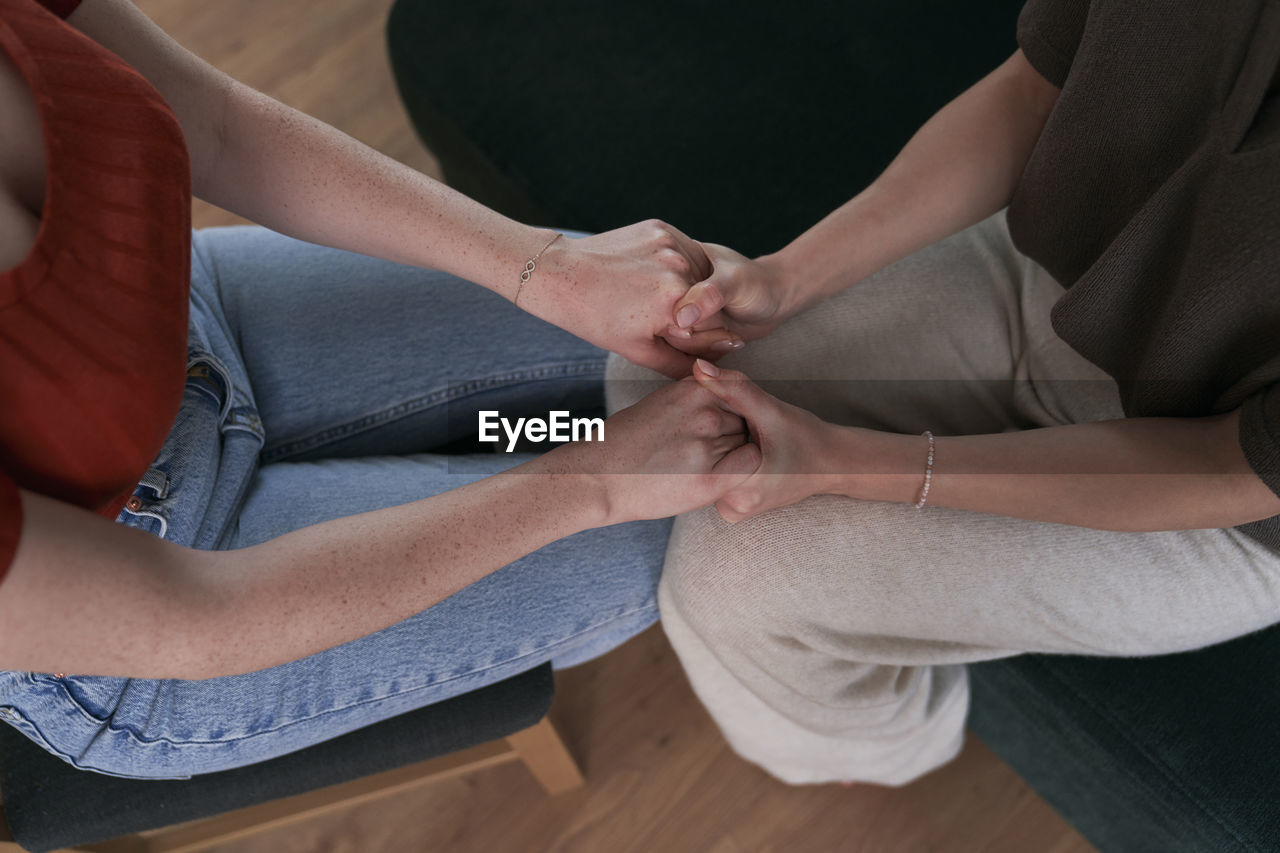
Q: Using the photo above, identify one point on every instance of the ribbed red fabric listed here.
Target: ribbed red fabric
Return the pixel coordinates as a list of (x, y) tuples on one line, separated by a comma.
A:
[(93, 322)]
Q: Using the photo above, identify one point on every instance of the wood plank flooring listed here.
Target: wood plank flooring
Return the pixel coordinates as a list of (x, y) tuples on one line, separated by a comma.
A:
[(660, 779)]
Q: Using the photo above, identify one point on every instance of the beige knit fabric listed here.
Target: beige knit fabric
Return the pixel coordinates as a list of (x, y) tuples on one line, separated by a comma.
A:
[(828, 638)]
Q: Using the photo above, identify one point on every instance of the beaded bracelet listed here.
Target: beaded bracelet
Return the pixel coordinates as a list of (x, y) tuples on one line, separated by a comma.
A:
[(928, 472), (530, 266)]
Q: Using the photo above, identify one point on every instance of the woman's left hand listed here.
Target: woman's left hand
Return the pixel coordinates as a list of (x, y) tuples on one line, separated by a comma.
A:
[(618, 290), (799, 450)]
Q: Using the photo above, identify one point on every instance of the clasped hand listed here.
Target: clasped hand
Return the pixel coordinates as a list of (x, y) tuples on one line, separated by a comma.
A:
[(656, 297), (660, 299)]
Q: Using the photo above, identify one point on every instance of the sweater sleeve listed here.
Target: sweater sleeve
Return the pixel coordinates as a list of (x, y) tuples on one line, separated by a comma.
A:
[(10, 522), (61, 8), (1049, 32), (1260, 434)]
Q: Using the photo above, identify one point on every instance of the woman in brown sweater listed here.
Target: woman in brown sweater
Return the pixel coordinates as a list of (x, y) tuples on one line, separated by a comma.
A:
[(1080, 395)]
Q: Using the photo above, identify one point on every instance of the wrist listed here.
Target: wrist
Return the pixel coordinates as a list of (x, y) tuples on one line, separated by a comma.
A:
[(874, 465), (577, 484), (536, 266), (787, 281), (848, 245)]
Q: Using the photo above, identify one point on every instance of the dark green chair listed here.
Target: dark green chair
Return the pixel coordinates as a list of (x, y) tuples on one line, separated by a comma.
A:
[(49, 805)]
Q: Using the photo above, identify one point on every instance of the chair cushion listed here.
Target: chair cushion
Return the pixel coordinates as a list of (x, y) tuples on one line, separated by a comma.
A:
[(1146, 755), (739, 122), (50, 804)]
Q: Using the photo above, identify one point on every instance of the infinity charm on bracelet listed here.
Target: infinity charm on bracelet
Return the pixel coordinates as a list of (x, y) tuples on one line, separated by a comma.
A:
[(530, 266)]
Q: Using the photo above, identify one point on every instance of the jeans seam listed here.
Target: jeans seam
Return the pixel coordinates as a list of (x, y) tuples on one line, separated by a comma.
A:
[(211, 273), (179, 743), (410, 407)]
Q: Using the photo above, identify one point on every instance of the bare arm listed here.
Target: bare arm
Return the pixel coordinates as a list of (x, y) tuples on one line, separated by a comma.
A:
[(274, 165), (962, 166), (959, 168), (1126, 474), (128, 604)]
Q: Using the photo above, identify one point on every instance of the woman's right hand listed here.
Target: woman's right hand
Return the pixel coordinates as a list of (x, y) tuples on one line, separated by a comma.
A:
[(748, 297), (676, 450)]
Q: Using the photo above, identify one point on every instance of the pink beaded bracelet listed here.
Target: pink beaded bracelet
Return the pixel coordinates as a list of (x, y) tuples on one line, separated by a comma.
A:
[(928, 472)]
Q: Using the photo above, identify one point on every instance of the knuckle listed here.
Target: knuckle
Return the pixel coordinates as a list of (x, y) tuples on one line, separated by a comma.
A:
[(699, 396), (695, 394), (675, 261), (705, 422)]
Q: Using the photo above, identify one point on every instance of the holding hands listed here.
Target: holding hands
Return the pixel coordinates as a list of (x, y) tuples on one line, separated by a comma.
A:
[(618, 290), (748, 297), (662, 300), (657, 297), (681, 429), (799, 452)]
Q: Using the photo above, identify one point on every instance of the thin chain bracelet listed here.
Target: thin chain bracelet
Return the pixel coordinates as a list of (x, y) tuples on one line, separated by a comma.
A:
[(530, 266), (928, 472)]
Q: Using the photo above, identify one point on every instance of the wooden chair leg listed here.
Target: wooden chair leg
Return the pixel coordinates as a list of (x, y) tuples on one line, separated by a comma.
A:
[(539, 747), (546, 756)]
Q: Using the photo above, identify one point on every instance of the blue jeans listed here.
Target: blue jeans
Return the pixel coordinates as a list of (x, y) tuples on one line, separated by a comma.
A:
[(323, 383)]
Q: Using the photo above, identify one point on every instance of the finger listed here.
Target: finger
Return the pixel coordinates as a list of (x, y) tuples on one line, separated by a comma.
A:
[(730, 423), (676, 258), (725, 444), (727, 512), (739, 504), (692, 250), (741, 462), (670, 362), (699, 302), (734, 388), (712, 343)]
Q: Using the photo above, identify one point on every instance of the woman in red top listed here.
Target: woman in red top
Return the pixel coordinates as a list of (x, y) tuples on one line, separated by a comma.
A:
[(254, 423)]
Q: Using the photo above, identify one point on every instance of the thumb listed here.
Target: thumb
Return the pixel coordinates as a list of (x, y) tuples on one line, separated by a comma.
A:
[(700, 302), (739, 393)]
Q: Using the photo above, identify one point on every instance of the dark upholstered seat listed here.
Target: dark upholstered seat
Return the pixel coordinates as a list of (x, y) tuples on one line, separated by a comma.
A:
[(50, 804)]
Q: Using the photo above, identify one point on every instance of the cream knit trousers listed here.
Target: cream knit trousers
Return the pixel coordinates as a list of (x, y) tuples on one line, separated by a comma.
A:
[(828, 638)]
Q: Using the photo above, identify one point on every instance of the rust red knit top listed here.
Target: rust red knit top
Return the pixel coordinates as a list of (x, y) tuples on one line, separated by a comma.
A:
[(93, 321)]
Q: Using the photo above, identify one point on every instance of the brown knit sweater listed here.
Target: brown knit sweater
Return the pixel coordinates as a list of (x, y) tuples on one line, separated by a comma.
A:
[(1153, 195)]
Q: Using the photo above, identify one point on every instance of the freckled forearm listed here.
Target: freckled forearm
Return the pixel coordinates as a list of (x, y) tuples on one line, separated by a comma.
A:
[(297, 175), (1132, 474), (343, 579)]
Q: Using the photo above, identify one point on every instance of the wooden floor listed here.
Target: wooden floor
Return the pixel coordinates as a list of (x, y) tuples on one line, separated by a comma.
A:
[(661, 780), (659, 777)]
